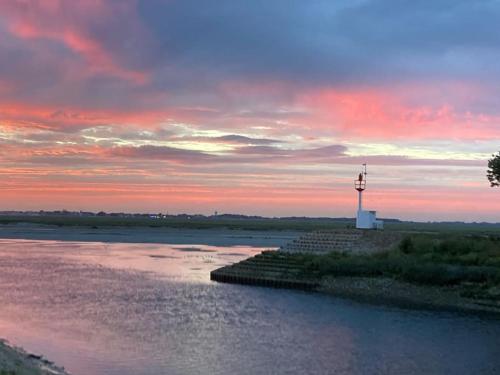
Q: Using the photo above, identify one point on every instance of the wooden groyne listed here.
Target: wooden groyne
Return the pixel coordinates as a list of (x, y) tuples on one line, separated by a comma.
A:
[(271, 269)]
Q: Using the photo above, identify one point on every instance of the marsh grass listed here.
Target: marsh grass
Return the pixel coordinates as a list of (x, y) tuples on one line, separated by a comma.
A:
[(248, 223), (469, 261)]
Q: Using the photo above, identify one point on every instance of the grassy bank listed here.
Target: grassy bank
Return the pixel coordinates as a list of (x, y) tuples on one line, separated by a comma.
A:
[(14, 361), (467, 263)]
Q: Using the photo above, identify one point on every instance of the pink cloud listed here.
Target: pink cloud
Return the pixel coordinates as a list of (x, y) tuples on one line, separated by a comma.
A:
[(64, 22), (18, 115), (389, 114)]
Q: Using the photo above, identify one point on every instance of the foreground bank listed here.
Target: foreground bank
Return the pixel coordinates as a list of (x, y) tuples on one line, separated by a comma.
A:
[(15, 361), (458, 272)]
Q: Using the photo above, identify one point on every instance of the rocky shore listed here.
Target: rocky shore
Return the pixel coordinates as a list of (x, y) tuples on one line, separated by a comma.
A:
[(16, 361), (280, 270), (388, 291)]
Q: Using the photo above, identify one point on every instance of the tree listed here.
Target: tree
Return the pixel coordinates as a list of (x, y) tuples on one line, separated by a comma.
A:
[(494, 170)]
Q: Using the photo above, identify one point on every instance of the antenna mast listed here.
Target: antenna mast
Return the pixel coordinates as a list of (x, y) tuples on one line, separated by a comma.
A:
[(360, 186), (365, 219)]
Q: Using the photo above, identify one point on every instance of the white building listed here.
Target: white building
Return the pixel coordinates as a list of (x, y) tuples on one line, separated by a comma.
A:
[(365, 219)]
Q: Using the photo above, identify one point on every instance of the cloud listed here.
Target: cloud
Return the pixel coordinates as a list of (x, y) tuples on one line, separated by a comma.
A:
[(89, 29), (279, 155), (240, 155), (374, 64), (372, 114), (266, 97), (346, 42), (175, 47), (164, 153), (240, 139)]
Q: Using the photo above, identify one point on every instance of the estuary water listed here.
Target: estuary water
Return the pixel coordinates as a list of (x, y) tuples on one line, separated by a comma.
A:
[(132, 309)]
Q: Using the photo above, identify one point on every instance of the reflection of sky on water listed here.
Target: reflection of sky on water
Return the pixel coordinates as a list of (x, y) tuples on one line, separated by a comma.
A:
[(181, 262), (131, 309)]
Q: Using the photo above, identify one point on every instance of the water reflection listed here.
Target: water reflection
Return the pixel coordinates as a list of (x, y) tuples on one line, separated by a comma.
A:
[(150, 309)]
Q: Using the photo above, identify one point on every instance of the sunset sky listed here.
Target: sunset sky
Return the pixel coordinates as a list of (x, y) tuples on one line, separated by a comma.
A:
[(254, 107)]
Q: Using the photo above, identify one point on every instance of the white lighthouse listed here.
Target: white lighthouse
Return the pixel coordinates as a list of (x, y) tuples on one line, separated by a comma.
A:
[(365, 219)]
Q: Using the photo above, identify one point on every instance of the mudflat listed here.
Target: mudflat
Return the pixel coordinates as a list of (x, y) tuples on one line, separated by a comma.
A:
[(212, 237)]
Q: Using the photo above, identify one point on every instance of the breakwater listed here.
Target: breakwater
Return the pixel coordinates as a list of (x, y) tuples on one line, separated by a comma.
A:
[(281, 269), (271, 269)]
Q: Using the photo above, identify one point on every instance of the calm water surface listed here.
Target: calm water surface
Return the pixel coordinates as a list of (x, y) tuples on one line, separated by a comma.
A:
[(131, 309)]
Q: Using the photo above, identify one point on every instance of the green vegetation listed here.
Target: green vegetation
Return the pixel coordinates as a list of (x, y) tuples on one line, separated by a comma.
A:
[(16, 362), (193, 222), (259, 224), (468, 262), (493, 173)]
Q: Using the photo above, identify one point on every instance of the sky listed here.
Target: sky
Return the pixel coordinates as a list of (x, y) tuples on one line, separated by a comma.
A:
[(254, 107)]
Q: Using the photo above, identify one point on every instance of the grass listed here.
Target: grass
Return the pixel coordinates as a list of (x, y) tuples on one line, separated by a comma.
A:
[(470, 262), (258, 224), (297, 224)]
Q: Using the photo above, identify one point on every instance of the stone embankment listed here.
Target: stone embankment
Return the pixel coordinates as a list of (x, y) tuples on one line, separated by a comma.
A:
[(354, 241), (278, 269), (267, 269), (388, 291), (283, 269)]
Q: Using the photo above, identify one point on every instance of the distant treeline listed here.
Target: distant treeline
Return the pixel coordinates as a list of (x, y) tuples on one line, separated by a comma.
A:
[(67, 213), (229, 221)]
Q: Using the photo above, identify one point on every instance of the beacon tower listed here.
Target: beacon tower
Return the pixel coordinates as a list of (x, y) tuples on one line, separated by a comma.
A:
[(365, 219)]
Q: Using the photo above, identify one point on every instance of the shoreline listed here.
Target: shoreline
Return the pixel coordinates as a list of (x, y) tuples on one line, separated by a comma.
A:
[(391, 292), (278, 270), (17, 361)]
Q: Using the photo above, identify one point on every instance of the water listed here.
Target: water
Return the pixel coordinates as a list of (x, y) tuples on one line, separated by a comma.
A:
[(131, 309)]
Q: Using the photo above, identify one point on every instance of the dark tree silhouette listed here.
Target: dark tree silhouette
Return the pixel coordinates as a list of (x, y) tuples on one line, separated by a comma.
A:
[(494, 170)]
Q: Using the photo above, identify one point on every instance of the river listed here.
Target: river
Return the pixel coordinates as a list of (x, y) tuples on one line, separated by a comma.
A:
[(132, 309)]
